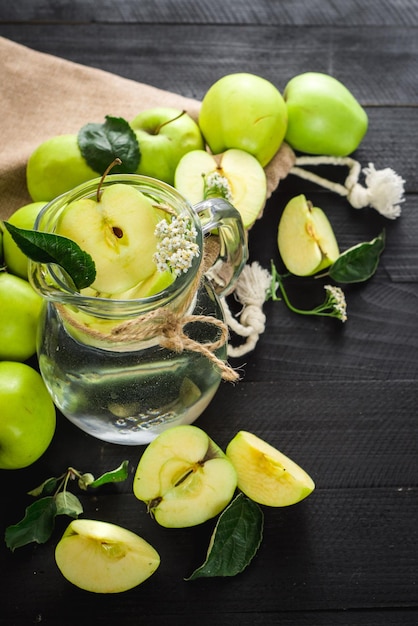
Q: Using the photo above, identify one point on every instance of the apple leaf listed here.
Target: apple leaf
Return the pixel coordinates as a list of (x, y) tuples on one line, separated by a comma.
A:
[(46, 488), (115, 476), (37, 525), (101, 144), (68, 504), (51, 248), (235, 540), (358, 263)]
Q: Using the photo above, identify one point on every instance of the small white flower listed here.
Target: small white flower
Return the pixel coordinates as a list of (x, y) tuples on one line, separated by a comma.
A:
[(336, 299), (217, 185), (177, 245)]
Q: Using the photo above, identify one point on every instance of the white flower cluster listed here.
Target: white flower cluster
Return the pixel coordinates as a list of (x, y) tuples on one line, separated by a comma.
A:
[(336, 299), (177, 245), (217, 185)]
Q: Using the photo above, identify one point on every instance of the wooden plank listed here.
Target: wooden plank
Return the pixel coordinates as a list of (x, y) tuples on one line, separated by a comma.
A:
[(362, 60), (298, 12), (315, 556)]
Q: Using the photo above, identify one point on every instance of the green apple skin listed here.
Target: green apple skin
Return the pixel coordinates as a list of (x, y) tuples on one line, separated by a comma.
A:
[(27, 415), (184, 477), (306, 240), (101, 557), (20, 311), (244, 111), (24, 217), (265, 474), (118, 232), (324, 118), (246, 180), (164, 135), (56, 166)]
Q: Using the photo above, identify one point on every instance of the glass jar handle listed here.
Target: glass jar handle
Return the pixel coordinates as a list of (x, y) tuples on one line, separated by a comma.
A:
[(219, 215)]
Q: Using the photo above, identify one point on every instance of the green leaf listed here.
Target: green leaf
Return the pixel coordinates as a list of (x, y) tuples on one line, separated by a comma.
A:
[(358, 263), (46, 488), (101, 144), (37, 525), (68, 504), (114, 476), (50, 248), (235, 540)]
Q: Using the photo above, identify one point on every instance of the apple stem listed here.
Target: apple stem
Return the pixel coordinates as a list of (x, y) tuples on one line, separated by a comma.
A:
[(116, 161), (157, 130)]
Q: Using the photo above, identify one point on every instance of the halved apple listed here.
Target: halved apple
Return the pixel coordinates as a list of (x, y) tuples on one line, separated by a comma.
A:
[(118, 232), (104, 558), (306, 240), (235, 175), (184, 477), (266, 475)]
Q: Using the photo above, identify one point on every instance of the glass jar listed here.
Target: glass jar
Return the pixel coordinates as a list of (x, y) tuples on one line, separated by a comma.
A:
[(124, 370)]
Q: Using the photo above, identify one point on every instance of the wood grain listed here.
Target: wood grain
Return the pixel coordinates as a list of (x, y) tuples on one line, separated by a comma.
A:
[(341, 399)]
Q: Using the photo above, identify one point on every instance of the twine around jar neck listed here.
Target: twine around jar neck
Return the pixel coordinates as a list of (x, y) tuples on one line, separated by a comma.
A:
[(168, 326)]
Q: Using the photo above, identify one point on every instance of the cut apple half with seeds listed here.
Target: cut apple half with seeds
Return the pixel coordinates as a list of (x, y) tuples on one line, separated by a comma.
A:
[(306, 240), (104, 558), (265, 474), (184, 477), (235, 175)]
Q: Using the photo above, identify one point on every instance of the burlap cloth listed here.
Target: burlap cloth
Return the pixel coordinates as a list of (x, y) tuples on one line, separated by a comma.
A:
[(42, 96)]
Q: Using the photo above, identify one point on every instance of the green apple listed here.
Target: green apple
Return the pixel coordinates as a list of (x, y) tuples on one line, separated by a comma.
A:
[(27, 415), (24, 217), (118, 232), (104, 558), (20, 310), (56, 166), (164, 135), (323, 115), (235, 175), (306, 240), (244, 111), (266, 475), (184, 477)]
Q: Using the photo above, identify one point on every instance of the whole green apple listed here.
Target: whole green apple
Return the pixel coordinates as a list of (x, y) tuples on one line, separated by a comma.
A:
[(164, 135), (56, 166), (244, 111), (20, 309), (27, 415), (24, 217), (323, 116)]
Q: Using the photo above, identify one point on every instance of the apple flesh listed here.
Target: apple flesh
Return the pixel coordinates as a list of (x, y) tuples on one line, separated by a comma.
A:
[(306, 240), (265, 474), (164, 135), (244, 111), (27, 415), (184, 477), (56, 166), (323, 116), (118, 232), (16, 261), (104, 558), (242, 177)]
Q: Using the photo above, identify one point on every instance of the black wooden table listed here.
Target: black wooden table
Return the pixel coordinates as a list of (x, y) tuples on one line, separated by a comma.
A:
[(339, 399)]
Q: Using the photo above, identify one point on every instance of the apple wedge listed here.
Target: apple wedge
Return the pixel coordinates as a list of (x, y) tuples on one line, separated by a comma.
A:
[(266, 475), (235, 175), (104, 558), (306, 240), (184, 477), (118, 232)]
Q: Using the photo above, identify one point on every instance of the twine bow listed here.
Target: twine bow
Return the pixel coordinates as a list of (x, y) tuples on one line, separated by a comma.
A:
[(169, 329)]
